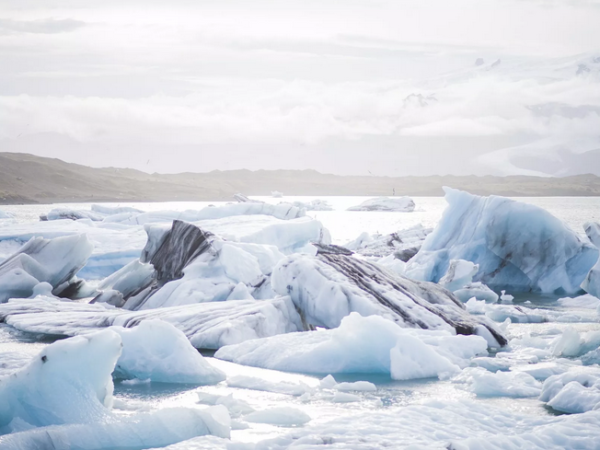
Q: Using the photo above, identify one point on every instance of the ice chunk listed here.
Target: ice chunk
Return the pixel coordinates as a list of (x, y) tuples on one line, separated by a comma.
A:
[(5, 215), (591, 283), (72, 214), (158, 429), (403, 244), (475, 306), (478, 290), (460, 273), (206, 325), (583, 301), (53, 261), (330, 286), (500, 384), (68, 382), (360, 345), (235, 406), (397, 204), (572, 343), (575, 391), (282, 416), (518, 246), (158, 351)]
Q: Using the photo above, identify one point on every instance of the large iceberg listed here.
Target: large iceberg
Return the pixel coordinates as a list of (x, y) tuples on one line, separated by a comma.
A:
[(330, 286), (361, 345), (395, 204), (52, 261), (517, 246), (591, 283), (207, 325)]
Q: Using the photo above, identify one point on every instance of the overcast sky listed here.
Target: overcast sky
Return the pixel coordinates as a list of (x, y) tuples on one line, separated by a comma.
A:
[(346, 87)]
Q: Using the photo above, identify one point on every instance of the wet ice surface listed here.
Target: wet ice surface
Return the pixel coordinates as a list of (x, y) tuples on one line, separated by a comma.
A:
[(372, 419)]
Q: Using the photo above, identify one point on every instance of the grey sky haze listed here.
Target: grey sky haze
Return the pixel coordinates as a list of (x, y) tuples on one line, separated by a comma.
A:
[(337, 86)]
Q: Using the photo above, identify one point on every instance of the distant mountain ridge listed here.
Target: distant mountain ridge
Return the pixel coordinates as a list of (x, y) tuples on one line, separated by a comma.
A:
[(27, 179)]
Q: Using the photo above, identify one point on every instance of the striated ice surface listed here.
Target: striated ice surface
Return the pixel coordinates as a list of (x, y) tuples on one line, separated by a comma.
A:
[(403, 244), (591, 283), (517, 246)]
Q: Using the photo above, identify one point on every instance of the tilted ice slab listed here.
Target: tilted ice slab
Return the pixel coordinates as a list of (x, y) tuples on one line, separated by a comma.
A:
[(361, 345), (67, 390), (328, 287), (397, 204), (519, 247), (207, 325), (591, 283), (403, 244), (53, 261)]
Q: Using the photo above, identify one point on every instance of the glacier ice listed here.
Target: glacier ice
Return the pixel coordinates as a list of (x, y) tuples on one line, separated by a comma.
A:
[(459, 274), (328, 287), (396, 204), (403, 244), (158, 351), (517, 246), (591, 283), (360, 345), (484, 383), (5, 215), (54, 261), (207, 325), (575, 391)]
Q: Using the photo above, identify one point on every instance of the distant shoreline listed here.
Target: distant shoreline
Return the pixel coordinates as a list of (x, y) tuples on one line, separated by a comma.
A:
[(27, 179)]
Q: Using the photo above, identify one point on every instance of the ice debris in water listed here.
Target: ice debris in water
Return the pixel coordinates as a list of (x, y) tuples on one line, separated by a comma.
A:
[(484, 383), (397, 204), (361, 345), (517, 246)]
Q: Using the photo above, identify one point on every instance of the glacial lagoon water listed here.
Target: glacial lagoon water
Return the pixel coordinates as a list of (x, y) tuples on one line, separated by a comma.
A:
[(392, 397)]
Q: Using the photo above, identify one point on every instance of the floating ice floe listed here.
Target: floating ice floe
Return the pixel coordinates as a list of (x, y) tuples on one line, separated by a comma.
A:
[(361, 345), (484, 383), (5, 215), (402, 244), (575, 391), (517, 246), (591, 283), (330, 286), (52, 261), (207, 325), (459, 280), (395, 204)]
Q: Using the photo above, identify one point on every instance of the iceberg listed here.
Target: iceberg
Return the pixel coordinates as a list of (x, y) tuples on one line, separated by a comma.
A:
[(591, 283), (517, 246), (328, 287), (395, 204), (52, 261), (500, 384), (360, 345), (155, 350), (206, 325)]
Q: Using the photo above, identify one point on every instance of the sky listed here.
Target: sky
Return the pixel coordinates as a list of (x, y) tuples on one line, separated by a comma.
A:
[(395, 88)]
